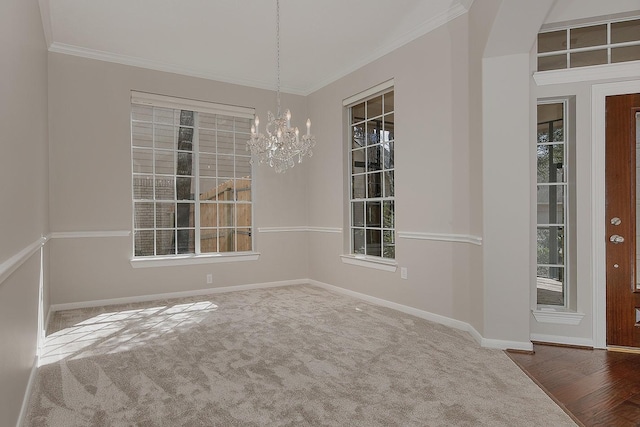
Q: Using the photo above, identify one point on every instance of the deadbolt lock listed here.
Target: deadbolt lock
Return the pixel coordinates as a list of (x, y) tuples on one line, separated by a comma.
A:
[(615, 221)]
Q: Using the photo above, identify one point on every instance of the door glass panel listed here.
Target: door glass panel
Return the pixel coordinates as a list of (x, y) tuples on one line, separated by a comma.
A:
[(551, 245), (551, 204), (550, 163), (550, 285)]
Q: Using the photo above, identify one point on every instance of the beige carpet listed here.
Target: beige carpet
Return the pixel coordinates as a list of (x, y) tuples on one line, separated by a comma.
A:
[(289, 356)]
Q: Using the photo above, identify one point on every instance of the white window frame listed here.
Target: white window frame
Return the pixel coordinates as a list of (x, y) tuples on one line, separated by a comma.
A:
[(566, 250), (569, 50), (198, 107), (365, 260)]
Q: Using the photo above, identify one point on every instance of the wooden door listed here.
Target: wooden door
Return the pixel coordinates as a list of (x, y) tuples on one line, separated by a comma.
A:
[(623, 293)]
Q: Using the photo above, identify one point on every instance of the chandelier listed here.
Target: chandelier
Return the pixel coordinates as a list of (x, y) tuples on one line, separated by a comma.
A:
[(281, 145)]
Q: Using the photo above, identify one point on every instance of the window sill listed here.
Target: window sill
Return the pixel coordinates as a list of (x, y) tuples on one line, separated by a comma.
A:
[(562, 316), (370, 262), (193, 259)]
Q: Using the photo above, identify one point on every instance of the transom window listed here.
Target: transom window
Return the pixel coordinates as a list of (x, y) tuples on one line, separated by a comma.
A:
[(371, 160), (191, 177), (604, 43)]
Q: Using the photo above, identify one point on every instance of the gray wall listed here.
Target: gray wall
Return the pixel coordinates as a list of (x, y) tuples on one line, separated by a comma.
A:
[(433, 177), (24, 193), (91, 186)]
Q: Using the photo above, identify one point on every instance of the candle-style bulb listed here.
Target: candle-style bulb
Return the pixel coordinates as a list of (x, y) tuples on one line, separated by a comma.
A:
[(308, 127)]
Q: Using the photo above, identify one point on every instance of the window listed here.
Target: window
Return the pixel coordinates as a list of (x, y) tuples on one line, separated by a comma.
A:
[(552, 203), (604, 43), (371, 189), (191, 177)]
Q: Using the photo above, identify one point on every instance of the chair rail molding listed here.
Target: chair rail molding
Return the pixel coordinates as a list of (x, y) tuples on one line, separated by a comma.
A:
[(441, 237), (89, 234), (297, 228), (12, 264)]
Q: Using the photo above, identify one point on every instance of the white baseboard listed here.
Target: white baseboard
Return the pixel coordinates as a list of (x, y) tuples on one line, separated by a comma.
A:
[(27, 393), (556, 339), (447, 321), (436, 318), (505, 344), (170, 295)]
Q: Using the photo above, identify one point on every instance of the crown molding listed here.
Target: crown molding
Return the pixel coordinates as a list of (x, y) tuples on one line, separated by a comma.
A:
[(459, 8), (99, 55)]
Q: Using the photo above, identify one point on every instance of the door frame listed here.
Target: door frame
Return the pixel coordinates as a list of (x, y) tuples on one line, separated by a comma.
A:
[(599, 92)]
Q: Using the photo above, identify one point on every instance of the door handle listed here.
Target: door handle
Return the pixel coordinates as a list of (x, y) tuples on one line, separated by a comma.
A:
[(616, 239)]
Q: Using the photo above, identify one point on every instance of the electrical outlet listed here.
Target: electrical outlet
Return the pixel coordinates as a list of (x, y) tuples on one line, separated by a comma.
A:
[(209, 279), (403, 272)]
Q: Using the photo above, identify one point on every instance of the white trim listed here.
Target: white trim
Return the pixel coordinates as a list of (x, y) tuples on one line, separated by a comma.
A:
[(506, 345), (155, 100), (370, 262), (588, 22), (359, 97), (191, 259), (44, 329), (173, 295), (299, 228), (45, 16), (441, 237), (442, 320), (99, 55), (621, 70), (12, 264), (27, 393), (557, 316), (598, 94), (324, 229), (89, 234), (458, 9), (432, 317), (556, 339)]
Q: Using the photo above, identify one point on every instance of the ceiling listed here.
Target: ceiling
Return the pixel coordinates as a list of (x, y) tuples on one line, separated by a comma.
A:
[(235, 40)]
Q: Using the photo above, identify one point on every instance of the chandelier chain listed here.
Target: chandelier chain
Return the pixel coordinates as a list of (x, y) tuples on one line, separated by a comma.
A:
[(278, 55)]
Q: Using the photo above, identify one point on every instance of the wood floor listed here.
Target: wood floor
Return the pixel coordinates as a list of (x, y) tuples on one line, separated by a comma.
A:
[(595, 387)]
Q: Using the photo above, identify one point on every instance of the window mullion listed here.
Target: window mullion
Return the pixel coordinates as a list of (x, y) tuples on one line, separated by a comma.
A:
[(195, 170)]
